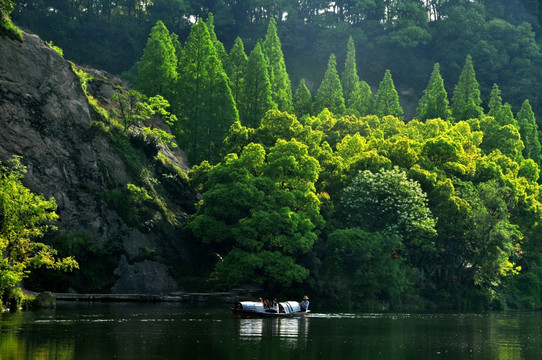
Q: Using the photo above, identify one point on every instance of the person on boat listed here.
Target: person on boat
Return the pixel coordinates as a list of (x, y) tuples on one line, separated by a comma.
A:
[(305, 303), (275, 305), (266, 304)]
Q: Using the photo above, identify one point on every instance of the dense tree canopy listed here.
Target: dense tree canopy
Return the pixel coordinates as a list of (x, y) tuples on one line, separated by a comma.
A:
[(442, 196)]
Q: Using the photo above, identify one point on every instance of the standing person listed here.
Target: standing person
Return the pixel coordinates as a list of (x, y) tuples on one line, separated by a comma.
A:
[(305, 303)]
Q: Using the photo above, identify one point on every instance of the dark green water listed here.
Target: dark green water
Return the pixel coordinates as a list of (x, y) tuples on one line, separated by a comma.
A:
[(174, 331)]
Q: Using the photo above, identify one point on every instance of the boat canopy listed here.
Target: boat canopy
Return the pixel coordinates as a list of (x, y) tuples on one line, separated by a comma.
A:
[(255, 306), (289, 307)]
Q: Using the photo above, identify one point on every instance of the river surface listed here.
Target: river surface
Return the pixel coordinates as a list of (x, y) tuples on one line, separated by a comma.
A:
[(179, 331)]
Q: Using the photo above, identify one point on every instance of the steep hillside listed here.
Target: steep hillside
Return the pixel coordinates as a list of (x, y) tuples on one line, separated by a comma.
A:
[(45, 117)]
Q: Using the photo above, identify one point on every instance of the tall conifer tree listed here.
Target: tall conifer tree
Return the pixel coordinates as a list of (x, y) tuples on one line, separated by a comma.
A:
[(256, 92), (387, 98), (158, 67), (528, 130), (205, 105), (350, 78), (302, 99), (434, 102), (495, 101), (505, 116), (330, 92), (220, 50), (362, 101), (177, 46), (466, 101), (237, 69), (281, 87)]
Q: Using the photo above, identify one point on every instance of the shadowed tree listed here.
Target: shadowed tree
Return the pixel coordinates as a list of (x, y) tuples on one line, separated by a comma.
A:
[(302, 99)]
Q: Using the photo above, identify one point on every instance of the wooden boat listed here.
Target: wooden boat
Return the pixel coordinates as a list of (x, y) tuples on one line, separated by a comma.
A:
[(255, 309)]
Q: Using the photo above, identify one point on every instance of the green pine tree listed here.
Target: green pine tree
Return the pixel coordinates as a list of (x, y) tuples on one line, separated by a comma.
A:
[(387, 99), (350, 78), (158, 66), (466, 100), (528, 130), (220, 50), (302, 100), (281, 87), (256, 96), (205, 105), (495, 101), (177, 46), (362, 101), (434, 102), (237, 69), (330, 92), (505, 116)]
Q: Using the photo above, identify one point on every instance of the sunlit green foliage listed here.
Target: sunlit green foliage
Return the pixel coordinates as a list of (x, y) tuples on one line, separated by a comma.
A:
[(237, 69), (256, 95), (205, 105), (528, 129), (281, 89), (25, 217), (330, 92), (260, 208), (158, 66), (466, 101), (350, 78), (387, 99), (434, 102)]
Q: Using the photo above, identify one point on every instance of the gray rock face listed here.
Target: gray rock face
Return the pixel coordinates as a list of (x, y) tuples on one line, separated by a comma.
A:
[(45, 118)]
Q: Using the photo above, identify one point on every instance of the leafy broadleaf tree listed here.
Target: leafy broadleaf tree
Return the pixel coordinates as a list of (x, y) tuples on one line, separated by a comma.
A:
[(302, 99), (25, 218), (389, 202), (261, 210), (330, 92), (434, 102), (466, 101), (387, 98), (205, 106), (528, 130), (256, 96), (350, 78), (158, 66), (281, 88)]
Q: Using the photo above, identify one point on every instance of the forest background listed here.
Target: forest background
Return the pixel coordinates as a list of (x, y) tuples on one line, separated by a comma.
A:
[(353, 191)]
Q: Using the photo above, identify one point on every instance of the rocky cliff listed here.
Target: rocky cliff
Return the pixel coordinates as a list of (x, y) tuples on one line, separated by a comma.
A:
[(45, 117)]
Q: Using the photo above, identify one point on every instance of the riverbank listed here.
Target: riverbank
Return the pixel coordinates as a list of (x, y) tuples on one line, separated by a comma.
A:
[(186, 297)]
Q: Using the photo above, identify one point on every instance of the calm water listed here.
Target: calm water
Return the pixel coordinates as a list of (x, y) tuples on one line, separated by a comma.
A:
[(175, 331)]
